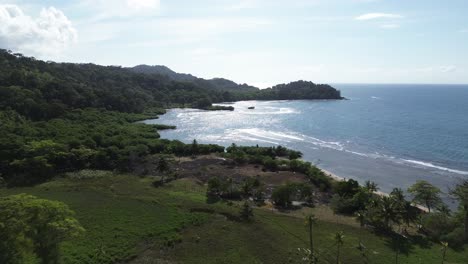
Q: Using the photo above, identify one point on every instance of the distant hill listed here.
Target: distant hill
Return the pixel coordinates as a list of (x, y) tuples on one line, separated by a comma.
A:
[(216, 83), (43, 90), (299, 90), (163, 70)]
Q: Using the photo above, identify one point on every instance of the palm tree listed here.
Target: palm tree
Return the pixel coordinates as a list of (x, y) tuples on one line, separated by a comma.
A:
[(371, 186), (444, 250), (409, 214), (363, 250), (398, 195), (445, 210), (388, 211), (361, 217), (310, 220), (339, 240)]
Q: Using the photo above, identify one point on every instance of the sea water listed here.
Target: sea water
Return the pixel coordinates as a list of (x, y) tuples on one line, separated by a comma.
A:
[(393, 135)]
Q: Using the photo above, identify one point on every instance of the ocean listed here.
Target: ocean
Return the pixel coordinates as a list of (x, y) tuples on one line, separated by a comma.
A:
[(393, 135)]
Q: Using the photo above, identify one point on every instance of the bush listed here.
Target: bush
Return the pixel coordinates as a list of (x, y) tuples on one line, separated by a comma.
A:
[(284, 195), (270, 164), (246, 212), (346, 188), (343, 205), (438, 225), (455, 238)]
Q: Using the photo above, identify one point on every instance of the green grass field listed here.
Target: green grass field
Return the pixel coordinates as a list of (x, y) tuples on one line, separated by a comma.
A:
[(128, 220)]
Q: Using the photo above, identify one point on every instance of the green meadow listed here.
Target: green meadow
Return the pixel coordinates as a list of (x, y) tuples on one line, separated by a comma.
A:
[(127, 220)]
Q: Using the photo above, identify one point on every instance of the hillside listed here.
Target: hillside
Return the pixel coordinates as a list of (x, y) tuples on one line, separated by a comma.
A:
[(216, 83), (127, 220)]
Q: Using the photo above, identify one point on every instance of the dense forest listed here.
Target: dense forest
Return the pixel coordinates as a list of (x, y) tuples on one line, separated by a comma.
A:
[(56, 117)]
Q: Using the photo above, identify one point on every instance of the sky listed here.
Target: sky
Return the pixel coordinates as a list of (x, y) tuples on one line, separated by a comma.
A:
[(259, 42)]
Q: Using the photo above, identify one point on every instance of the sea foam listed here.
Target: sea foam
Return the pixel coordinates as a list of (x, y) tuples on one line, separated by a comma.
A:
[(430, 165)]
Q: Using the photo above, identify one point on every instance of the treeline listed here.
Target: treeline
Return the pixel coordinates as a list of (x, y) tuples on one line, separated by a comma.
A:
[(43, 90)]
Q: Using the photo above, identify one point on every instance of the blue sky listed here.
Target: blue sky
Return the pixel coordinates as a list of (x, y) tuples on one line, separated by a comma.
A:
[(260, 42)]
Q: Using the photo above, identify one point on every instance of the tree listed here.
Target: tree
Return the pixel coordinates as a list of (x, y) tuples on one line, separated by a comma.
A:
[(163, 165), (409, 214), (398, 196), (246, 212), (388, 211), (363, 251), (310, 220), (425, 194), (371, 186), (361, 217), (339, 240), (444, 250), (214, 186), (28, 223), (194, 147), (461, 194)]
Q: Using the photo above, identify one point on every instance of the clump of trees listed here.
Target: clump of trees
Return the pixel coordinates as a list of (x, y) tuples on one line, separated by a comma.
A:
[(386, 212), (232, 189), (279, 158), (35, 227), (297, 90), (285, 194)]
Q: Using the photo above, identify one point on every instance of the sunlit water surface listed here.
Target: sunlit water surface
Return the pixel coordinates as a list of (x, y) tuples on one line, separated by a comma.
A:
[(390, 134)]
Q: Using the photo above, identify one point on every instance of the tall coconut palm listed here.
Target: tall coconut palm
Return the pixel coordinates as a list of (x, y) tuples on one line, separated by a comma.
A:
[(388, 211), (409, 214), (310, 221)]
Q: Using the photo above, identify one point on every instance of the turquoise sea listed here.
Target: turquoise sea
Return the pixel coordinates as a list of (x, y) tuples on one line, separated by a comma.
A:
[(390, 134)]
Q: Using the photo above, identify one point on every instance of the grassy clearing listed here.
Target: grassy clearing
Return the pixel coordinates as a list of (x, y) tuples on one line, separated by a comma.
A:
[(128, 220)]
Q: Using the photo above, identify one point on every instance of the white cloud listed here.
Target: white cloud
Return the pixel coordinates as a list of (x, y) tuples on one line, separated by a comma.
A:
[(48, 34), (447, 69), (141, 4), (390, 26), (370, 16)]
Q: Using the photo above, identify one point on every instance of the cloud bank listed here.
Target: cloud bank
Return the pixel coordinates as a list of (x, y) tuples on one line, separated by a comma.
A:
[(48, 34)]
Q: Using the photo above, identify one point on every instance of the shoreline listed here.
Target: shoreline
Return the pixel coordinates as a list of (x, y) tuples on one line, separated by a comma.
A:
[(338, 178)]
